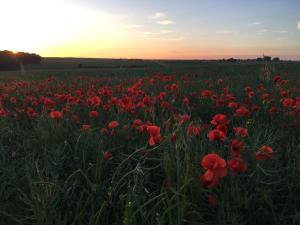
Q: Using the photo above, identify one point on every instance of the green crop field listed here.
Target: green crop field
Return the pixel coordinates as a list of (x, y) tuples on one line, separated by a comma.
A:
[(154, 142)]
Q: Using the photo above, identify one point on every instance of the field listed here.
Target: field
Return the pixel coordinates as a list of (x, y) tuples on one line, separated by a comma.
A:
[(150, 142)]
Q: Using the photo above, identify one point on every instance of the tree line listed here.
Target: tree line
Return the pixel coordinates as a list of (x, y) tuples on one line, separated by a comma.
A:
[(13, 61)]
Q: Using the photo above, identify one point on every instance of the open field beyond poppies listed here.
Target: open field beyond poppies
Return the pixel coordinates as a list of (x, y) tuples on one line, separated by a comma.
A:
[(154, 142)]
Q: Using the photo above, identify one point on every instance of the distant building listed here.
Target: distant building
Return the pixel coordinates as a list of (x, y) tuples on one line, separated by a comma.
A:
[(267, 58)]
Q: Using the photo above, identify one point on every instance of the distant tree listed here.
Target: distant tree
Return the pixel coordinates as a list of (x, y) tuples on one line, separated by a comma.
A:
[(276, 59), (8, 61), (13, 61), (232, 60)]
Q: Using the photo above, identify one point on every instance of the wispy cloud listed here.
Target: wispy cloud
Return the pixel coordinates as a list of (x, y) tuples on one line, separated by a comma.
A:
[(162, 18), (133, 26), (158, 15), (257, 23), (299, 25), (226, 31), (165, 22)]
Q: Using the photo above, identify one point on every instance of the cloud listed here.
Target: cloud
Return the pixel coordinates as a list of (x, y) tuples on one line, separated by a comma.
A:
[(161, 18), (299, 25), (158, 15), (256, 23), (165, 22)]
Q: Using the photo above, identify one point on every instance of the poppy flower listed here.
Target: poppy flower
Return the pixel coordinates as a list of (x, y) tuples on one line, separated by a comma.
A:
[(56, 115), (237, 165), (236, 146), (107, 155), (94, 101), (12, 100), (265, 152), (193, 130), (242, 111), (240, 131), (216, 135), (186, 101), (223, 128), (206, 93), (173, 138), (113, 124), (219, 119), (277, 79), (184, 118), (104, 130), (93, 114), (154, 133), (232, 105), (215, 169), (86, 127), (288, 102)]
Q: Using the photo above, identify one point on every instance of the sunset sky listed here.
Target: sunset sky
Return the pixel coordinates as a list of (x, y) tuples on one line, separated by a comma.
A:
[(174, 29)]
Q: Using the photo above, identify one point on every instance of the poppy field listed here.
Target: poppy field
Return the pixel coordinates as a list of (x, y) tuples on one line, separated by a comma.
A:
[(157, 148)]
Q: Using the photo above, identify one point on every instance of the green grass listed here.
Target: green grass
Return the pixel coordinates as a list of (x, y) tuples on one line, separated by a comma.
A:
[(54, 172)]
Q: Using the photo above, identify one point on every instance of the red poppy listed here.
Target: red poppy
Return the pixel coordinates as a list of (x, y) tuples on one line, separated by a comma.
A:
[(240, 131), (193, 130), (154, 133), (232, 105), (104, 130), (113, 124), (219, 119), (237, 165), (86, 127), (56, 115), (173, 138), (186, 101), (277, 79), (236, 146), (107, 155), (206, 93), (216, 135), (184, 118), (215, 169), (265, 152), (288, 102), (93, 114), (242, 111)]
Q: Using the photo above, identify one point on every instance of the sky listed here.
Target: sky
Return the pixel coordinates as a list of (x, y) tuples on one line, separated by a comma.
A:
[(152, 29)]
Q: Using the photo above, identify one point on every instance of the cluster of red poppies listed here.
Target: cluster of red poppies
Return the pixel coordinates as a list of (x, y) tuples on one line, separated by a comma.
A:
[(156, 106)]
